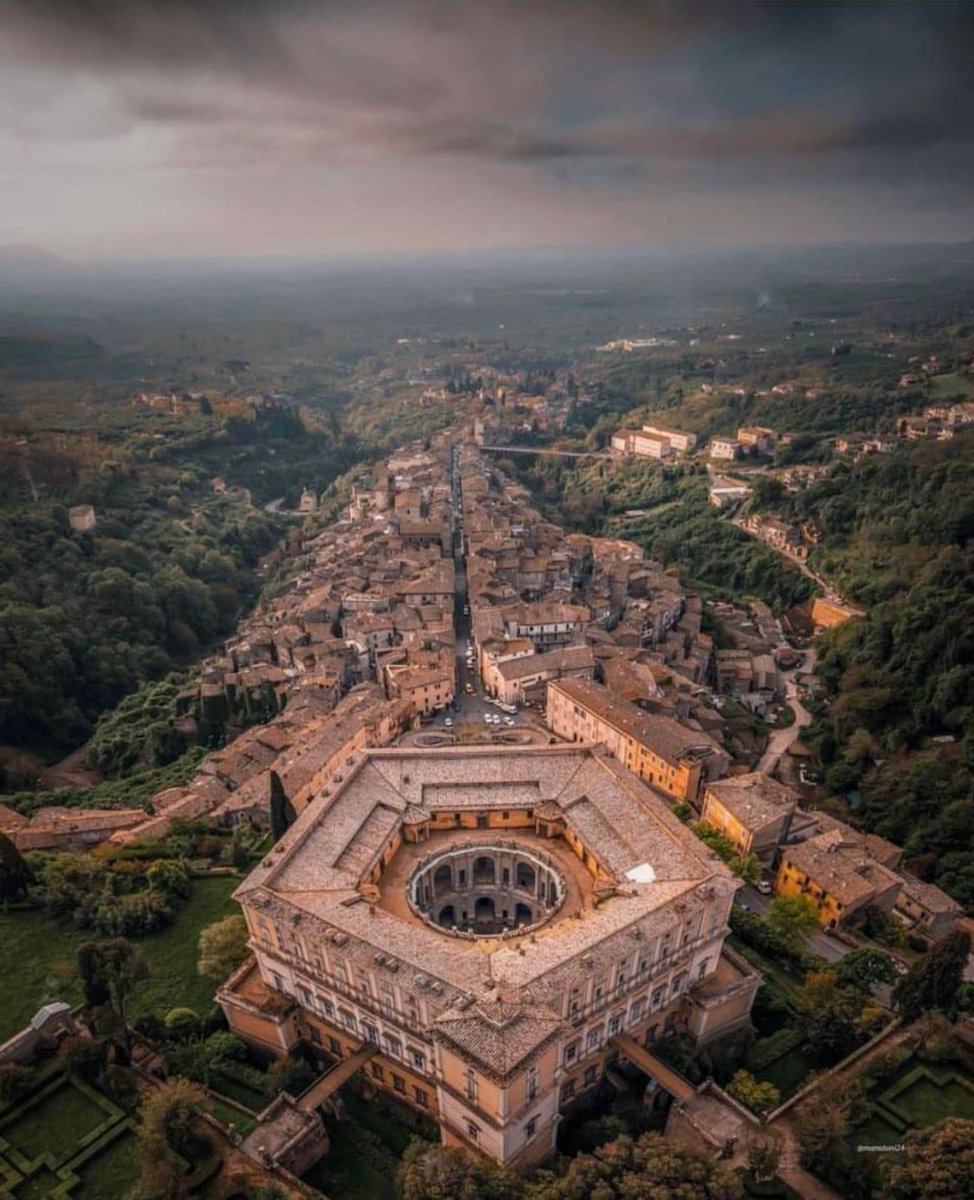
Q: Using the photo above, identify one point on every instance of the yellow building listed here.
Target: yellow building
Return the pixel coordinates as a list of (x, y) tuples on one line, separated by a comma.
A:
[(481, 925), (837, 874), (661, 751), (829, 613), (753, 811)]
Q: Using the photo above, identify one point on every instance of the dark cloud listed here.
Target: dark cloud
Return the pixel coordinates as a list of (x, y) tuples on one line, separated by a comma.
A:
[(536, 99)]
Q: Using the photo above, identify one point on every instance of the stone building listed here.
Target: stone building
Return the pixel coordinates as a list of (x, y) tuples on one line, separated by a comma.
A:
[(487, 929), (661, 751)]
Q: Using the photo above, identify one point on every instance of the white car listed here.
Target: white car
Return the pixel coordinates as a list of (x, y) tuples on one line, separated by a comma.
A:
[(448, 722), (508, 720), (488, 719), (764, 887)]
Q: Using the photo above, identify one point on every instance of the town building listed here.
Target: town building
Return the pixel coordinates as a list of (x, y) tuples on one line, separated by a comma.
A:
[(484, 931), (829, 611), (81, 518), (658, 749), (521, 678), (836, 872), (70, 829), (754, 811), (725, 447), (759, 438), (680, 441), (926, 908)]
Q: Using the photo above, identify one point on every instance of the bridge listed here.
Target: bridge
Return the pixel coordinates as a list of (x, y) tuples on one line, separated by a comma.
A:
[(543, 450), (678, 1087), (329, 1083)]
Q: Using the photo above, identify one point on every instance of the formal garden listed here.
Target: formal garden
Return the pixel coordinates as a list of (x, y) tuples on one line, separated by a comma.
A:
[(67, 1139)]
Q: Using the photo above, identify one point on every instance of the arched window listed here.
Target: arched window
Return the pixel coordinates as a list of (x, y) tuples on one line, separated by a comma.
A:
[(483, 870), (524, 877)]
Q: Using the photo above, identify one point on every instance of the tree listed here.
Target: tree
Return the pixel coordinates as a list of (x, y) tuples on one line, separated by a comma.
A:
[(825, 1120), (792, 919), (16, 875), (446, 1173), (110, 972), (167, 1135), (647, 1168), (223, 947), (759, 1095), (764, 1155), (939, 1164), (934, 981), (864, 968)]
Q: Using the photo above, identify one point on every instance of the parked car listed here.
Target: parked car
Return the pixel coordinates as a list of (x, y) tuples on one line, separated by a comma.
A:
[(448, 722), (764, 887), (468, 688), (488, 719), (508, 720)]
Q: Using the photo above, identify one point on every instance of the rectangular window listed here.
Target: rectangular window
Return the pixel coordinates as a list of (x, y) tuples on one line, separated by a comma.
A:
[(571, 1052), (377, 1072), (615, 1024), (335, 1046), (530, 1129), (421, 1097), (315, 1035), (473, 1131), (418, 1058), (471, 1085), (592, 1038), (399, 1083), (567, 1091), (590, 1074)]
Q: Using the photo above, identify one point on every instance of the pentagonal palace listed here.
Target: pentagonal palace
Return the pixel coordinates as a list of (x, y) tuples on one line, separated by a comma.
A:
[(486, 929)]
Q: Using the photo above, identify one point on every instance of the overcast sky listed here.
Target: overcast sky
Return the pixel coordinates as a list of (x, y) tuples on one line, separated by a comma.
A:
[(250, 129)]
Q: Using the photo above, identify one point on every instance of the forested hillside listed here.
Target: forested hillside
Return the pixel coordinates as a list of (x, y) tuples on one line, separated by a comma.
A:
[(665, 510), (899, 532)]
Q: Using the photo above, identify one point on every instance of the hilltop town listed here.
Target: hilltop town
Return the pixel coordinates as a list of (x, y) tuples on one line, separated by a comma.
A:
[(511, 746)]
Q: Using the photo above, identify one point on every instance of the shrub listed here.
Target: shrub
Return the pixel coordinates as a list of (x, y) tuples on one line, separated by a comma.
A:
[(776, 1045), (759, 1095), (16, 1082), (182, 1023)]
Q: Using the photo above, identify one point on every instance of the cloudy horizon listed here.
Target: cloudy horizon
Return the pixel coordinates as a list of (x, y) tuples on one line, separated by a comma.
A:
[(223, 129)]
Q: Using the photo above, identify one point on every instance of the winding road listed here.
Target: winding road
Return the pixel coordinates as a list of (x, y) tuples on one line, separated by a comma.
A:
[(781, 739)]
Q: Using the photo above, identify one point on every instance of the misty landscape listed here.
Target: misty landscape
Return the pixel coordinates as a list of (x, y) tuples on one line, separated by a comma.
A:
[(486, 600)]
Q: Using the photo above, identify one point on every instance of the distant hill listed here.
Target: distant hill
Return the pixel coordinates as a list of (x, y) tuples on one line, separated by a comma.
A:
[(29, 352)]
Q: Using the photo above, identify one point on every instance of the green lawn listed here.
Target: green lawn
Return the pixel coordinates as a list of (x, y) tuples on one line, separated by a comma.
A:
[(946, 386), (39, 957), (110, 1173), (56, 1125)]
